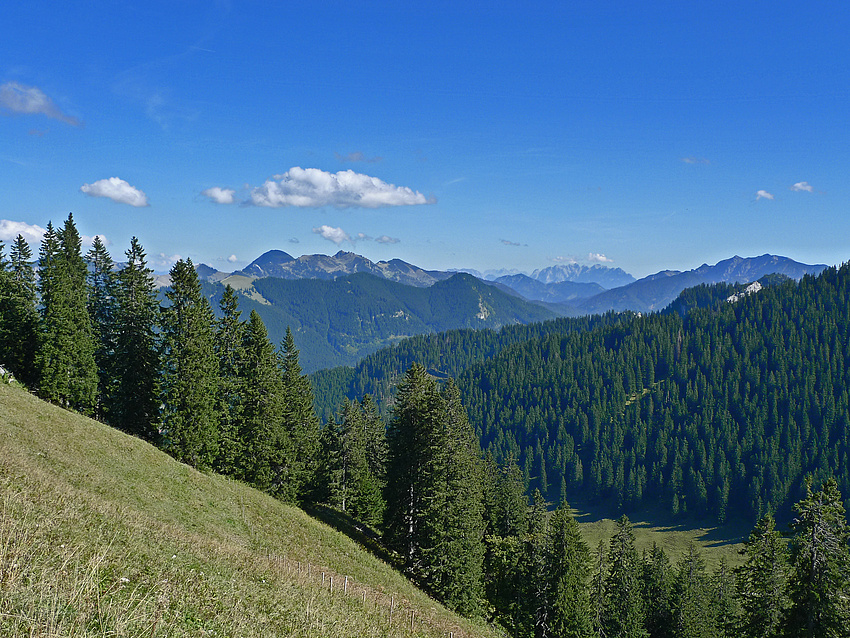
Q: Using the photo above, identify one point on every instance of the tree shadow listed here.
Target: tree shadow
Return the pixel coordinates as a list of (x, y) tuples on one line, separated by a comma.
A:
[(360, 533)]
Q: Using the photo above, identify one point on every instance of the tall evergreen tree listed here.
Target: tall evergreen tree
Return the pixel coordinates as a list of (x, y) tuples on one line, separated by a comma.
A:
[(101, 307), (693, 600), (569, 567), (233, 370), (68, 372), (300, 467), (624, 614), (762, 582), (136, 362), (266, 444), (19, 335), (434, 491), (658, 593), (455, 512), (819, 585), (190, 371)]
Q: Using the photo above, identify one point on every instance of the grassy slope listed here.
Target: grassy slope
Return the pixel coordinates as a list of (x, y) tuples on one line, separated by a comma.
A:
[(102, 534)]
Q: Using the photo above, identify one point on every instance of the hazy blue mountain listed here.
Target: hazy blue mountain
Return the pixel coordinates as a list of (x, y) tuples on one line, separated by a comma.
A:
[(656, 291), (559, 292), (595, 274)]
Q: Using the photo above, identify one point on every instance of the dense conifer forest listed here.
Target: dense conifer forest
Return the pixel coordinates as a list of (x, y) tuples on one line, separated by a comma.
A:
[(731, 408)]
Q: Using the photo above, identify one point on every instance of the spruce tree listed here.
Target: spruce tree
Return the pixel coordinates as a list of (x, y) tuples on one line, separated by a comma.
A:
[(299, 468), (266, 444), (693, 600), (819, 585), (762, 582), (190, 371), (233, 370), (101, 307), (68, 372), (624, 614), (19, 329), (136, 362), (456, 547), (658, 593), (569, 567), (434, 491)]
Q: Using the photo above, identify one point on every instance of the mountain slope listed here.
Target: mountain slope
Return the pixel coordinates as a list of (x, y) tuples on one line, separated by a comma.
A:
[(102, 534), (724, 410), (337, 322), (655, 292)]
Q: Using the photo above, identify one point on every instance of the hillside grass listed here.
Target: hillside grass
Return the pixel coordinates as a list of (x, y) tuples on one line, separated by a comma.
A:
[(102, 534)]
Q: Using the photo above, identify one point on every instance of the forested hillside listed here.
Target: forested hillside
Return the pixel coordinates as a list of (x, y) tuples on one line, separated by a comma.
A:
[(447, 354), (337, 322), (725, 409), (710, 406)]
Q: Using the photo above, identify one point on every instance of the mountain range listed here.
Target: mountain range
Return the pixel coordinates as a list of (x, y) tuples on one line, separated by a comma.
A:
[(342, 307)]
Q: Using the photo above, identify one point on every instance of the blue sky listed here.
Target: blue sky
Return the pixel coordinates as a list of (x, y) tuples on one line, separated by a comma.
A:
[(643, 136)]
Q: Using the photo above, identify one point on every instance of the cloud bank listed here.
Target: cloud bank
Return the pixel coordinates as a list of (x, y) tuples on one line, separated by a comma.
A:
[(9, 231), (117, 190), (313, 188), (220, 195), (30, 100), (599, 258)]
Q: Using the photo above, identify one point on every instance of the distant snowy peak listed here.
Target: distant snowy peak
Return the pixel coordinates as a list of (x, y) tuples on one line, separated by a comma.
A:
[(579, 273), (749, 290)]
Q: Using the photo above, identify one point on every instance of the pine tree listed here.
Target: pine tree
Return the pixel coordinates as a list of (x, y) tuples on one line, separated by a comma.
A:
[(190, 371), (68, 372), (136, 363), (101, 307), (266, 444), (230, 352), (456, 548), (624, 615), (299, 467), (569, 573), (434, 491), (19, 329), (693, 608), (819, 587), (658, 593), (762, 582)]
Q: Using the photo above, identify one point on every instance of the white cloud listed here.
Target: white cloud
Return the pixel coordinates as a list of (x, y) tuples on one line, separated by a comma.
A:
[(220, 195), (362, 237), (312, 188), (565, 260), (10, 230), (384, 239), (117, 190), (232, 259), (166, 261), (599, 258), (30, 100), (336, 235), (695, 160), (762, 194), (803, 186)]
